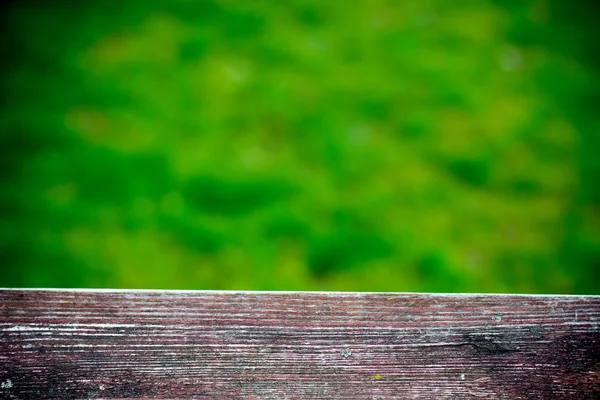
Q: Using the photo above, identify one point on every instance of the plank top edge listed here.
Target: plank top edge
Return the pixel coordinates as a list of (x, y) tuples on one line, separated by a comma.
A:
[(292, 292)]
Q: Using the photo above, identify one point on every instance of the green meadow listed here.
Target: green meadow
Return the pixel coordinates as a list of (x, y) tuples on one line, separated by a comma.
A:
[(368, 145)]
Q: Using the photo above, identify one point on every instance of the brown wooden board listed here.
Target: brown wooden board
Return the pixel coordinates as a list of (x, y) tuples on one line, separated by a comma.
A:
[(103, 344)]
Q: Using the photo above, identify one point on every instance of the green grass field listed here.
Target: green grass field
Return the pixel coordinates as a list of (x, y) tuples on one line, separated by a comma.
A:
[(344, 145)]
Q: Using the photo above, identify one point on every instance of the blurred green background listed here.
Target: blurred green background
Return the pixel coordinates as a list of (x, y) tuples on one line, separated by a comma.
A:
[(374, 145)]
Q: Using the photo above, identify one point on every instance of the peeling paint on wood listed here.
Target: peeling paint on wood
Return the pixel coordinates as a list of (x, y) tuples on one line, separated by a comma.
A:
[(103, 344)]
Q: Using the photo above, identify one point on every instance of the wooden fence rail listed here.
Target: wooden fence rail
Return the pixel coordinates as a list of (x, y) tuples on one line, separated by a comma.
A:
[(125, 344)]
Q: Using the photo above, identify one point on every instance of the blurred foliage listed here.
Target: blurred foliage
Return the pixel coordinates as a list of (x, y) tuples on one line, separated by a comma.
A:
[(307, 145)]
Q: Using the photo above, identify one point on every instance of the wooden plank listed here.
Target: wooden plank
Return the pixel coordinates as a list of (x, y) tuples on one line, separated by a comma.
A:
[(94, 344)]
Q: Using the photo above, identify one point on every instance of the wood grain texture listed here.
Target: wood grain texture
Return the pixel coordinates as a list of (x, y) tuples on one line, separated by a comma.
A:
[(268, 345)]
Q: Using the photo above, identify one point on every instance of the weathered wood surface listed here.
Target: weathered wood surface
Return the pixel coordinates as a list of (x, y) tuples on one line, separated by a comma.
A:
[(251, 345)]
